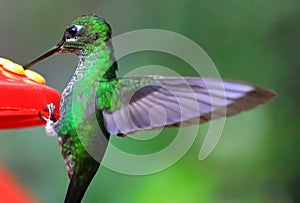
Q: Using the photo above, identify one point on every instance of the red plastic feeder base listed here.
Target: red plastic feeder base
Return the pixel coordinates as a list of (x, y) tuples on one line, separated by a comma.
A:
[(21, 99)]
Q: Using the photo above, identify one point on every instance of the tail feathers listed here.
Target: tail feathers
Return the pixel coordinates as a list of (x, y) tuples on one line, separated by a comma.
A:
[(79, 183)]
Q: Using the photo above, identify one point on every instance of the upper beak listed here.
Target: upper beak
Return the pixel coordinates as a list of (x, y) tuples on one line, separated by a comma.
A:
[(55, 50)]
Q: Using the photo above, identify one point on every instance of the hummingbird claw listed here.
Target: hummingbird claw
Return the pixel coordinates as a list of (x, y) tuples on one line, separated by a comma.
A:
[(42, 117), (50, 120), (50, 107)]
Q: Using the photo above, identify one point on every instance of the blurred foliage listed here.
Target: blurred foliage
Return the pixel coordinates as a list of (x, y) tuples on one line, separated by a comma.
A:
[(257, 158)]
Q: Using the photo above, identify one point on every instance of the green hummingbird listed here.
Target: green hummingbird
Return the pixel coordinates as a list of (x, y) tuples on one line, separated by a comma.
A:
[(96, 104)]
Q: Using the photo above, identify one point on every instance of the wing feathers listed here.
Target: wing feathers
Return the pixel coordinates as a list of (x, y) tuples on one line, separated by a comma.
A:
[(168, 101)]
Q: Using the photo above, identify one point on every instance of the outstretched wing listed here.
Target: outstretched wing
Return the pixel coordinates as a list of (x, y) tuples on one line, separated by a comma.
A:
[(144, 103)]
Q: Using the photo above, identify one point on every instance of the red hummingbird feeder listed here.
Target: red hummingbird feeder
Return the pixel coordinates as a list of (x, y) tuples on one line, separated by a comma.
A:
[(23, 94)]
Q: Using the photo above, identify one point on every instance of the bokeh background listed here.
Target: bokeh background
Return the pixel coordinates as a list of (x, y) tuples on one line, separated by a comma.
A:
[(257, 157)]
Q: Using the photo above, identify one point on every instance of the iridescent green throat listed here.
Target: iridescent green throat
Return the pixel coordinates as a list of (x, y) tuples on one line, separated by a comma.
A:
[(96, 63)]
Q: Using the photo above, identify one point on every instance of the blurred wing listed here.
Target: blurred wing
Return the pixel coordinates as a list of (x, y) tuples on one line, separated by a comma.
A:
[(154, 102)]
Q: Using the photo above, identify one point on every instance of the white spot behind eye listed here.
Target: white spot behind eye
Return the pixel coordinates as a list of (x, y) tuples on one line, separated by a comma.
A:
[(71, 40), (79, 27)]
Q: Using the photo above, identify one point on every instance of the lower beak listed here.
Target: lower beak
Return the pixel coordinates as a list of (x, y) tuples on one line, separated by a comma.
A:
[(56, 49)]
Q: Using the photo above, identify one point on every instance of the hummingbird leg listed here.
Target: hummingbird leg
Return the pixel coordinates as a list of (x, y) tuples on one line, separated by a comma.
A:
[(50, 120), (50, 107)]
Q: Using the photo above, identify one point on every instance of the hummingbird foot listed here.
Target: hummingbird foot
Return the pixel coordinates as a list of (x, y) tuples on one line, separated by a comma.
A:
[(49, 128)]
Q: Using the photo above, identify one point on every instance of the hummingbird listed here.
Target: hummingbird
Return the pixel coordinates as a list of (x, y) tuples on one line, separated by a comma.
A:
[(96, 104)]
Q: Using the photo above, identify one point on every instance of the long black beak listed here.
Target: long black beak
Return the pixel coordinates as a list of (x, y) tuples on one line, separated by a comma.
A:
[(55, 50)]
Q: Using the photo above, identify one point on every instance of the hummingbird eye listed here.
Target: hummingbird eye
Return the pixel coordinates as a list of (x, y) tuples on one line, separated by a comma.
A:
[(71, 32)]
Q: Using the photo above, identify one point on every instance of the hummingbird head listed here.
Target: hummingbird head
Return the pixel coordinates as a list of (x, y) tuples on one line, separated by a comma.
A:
[(82, 34)]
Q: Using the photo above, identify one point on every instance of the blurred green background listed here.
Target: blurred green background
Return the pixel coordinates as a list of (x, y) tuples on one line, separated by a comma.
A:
[(257, 157)]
